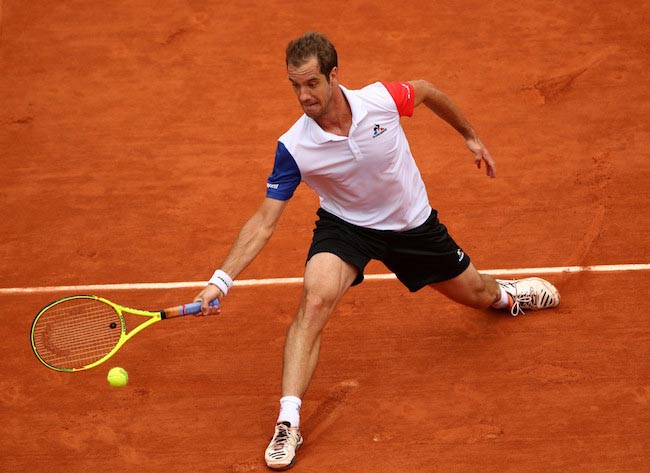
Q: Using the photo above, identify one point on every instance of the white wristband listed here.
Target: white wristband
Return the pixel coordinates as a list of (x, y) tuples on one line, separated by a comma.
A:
[(221, 280)]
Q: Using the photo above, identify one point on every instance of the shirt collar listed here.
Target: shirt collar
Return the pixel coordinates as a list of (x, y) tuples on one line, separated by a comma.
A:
[(359, 111)]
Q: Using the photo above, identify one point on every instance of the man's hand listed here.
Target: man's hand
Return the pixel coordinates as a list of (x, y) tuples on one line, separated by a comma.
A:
[(482, 154), (207, 295)]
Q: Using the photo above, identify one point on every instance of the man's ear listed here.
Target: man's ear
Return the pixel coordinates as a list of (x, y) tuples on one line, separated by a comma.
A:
[(334, 75)]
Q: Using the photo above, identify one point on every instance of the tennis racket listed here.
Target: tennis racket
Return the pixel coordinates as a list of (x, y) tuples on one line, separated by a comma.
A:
[(80, 332)]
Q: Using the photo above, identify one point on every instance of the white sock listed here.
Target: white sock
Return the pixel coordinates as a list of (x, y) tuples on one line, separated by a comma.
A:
[(290, 410), (504, 301)]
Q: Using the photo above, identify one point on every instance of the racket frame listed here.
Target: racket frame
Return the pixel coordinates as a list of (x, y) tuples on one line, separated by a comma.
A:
[(154, 316)]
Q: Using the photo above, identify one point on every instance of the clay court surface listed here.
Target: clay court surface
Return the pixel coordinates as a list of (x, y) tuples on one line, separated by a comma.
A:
[(136, 138)]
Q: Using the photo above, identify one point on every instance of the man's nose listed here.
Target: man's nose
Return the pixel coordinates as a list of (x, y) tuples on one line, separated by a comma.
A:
[(305, 94)]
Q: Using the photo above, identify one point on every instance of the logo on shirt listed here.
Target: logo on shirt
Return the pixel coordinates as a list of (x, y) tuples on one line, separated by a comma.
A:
[(378, 130), (460, 254), (272, 186), (408, 90)]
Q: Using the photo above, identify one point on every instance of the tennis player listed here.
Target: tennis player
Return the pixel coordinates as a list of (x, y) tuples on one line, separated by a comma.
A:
[(350, 148)]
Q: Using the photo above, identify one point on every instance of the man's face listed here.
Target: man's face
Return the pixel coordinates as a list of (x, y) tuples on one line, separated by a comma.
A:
[(311, 87)]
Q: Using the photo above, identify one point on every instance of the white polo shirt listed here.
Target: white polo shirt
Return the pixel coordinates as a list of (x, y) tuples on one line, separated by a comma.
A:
[(368, 178)]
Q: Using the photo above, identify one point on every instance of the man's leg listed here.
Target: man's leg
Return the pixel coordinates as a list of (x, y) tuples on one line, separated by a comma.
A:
[(480, 291), (471, 288), (327, 278)]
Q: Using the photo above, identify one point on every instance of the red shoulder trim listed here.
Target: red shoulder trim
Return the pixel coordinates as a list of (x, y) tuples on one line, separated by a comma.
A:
[(403, 94)]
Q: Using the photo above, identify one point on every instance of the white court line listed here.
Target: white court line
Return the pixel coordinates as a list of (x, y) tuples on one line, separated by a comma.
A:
[(268, 282)]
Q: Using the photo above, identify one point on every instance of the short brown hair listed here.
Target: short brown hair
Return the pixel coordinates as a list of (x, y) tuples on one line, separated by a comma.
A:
[(309, 45)]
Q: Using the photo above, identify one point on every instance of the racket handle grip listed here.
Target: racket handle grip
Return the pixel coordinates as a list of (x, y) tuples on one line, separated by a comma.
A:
[(186, 309)]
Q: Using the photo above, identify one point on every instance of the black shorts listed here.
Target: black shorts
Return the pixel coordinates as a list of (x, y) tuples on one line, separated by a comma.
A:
[(421, 256)]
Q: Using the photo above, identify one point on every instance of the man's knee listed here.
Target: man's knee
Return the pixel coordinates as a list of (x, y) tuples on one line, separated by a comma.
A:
[(315, 310)]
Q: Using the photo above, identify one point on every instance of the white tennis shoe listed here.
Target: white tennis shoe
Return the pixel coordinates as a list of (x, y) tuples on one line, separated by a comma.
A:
[(281, 452), (530, 294)]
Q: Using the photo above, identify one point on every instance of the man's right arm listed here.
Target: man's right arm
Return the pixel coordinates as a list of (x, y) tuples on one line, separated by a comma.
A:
[(252, 238)]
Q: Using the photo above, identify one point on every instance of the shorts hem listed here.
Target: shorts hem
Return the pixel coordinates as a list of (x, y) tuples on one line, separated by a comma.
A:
[(357, 280)]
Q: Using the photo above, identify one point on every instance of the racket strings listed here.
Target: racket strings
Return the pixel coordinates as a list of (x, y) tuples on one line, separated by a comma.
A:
[(76, 333)]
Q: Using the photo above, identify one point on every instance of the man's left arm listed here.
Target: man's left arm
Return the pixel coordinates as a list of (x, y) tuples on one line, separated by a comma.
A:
[(443, 106)]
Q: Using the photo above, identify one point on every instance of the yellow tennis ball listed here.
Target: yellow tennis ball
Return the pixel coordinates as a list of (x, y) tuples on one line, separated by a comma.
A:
[(117, 377)]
